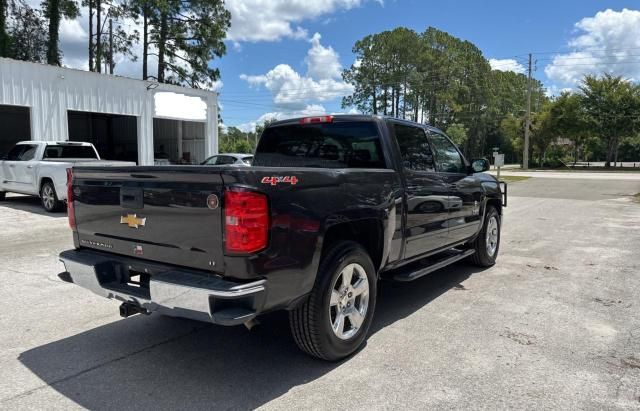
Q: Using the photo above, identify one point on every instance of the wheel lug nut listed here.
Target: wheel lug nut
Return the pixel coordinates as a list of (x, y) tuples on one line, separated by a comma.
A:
[(350, 295)]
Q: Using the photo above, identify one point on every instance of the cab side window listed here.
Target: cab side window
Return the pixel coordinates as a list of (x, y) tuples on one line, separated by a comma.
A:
[(16, 152), (29, 153), (414, 148), (448, 159)]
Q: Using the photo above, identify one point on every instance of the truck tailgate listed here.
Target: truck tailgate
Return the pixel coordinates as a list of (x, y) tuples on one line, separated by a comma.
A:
[(164, 215)]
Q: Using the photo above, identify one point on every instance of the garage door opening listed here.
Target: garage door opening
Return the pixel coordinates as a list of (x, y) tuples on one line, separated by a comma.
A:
[(115, 136), (16, 126), (178, 142)]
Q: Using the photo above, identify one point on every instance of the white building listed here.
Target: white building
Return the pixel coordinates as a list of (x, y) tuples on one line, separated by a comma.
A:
[(125, 119)]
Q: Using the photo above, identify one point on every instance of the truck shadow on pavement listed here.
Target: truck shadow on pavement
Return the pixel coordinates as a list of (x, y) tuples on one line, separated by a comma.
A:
[(158, 362), (29, 204)]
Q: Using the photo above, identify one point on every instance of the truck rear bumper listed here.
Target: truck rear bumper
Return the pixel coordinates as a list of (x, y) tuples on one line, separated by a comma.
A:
[(166, 289)]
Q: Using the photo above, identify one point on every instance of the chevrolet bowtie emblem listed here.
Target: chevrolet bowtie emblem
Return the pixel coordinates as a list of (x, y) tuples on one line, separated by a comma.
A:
[(133, 221)]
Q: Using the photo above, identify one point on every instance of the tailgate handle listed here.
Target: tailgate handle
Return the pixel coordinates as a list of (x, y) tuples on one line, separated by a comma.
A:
[(131, 197)]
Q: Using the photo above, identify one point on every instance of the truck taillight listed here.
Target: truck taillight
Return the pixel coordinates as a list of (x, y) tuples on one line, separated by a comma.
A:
[(246, 221), (317, 119), (71, 212)]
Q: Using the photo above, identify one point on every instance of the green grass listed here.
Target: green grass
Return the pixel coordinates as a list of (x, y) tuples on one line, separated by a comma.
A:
[(512, 179)]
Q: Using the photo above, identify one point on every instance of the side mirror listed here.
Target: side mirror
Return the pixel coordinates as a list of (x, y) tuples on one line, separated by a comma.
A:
[(480, 165)]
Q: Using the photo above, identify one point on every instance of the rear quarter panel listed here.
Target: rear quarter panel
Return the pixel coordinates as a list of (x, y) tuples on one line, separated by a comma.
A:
[(301, 214)]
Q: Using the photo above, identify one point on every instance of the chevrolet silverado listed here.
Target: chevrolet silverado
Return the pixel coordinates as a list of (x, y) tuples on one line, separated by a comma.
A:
[(330, 205)]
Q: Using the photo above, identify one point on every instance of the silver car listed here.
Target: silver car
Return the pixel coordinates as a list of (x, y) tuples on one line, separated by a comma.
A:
[(229, 159)]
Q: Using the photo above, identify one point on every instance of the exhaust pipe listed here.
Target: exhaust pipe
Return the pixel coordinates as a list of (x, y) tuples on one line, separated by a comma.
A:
[(129, 309), (251, 323)]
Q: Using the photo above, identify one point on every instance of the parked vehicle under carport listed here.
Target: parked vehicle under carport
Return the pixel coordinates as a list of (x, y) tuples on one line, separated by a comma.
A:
[(39, 168)]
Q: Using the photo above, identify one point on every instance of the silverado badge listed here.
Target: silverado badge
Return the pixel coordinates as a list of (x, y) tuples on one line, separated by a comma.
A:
[(133, 221)]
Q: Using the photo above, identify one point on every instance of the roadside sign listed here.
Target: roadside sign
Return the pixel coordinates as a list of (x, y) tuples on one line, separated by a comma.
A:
[(499, 162)]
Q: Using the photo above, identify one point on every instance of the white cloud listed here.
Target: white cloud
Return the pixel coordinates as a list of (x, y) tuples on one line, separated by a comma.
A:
[(507, 65), (292, 91), (606, 42), (322, 62), (271, 20), (309, 110)]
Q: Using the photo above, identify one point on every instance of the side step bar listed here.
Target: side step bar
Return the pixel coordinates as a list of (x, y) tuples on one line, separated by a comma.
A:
[(412, 275)]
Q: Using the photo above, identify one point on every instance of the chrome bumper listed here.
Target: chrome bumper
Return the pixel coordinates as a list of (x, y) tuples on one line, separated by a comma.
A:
[(172, 291)]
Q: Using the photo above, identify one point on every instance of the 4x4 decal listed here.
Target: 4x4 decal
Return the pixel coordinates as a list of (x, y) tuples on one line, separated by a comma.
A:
[(274, 180)]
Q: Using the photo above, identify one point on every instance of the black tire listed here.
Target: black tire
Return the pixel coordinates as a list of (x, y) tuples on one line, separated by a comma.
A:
[(2, 195), (482, 256), (49, 198), (311, 323)]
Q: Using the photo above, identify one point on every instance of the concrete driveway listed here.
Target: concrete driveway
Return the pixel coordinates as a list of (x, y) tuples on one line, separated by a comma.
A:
[(554, 325)]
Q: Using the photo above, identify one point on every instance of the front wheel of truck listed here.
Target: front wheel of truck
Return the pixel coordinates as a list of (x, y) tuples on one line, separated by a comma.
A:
[(487, 243), (334, 321)]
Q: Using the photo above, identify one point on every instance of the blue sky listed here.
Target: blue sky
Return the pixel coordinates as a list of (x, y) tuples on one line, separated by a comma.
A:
[(285, 56), (501, 29)]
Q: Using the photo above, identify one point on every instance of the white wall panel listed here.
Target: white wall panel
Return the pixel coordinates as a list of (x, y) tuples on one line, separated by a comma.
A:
[(50, 91)]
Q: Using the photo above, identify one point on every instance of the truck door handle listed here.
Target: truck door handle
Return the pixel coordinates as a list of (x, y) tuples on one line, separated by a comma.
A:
[(29, 166), (12, 165)]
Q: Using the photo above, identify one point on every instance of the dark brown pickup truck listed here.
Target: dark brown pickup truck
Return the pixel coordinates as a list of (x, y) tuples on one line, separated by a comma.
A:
[(330, 205)]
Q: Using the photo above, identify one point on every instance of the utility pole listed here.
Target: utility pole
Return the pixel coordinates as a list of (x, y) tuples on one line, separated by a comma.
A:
[(110, 46), (527, 123)]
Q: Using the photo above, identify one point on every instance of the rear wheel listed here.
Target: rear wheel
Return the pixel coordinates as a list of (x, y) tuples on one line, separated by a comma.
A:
[(2, 195), (487, 243), (335, 320), (49, 198)]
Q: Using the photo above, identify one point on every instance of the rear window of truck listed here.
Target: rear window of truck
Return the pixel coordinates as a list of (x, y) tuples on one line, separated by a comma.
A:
[(69, 151), (349, 144)]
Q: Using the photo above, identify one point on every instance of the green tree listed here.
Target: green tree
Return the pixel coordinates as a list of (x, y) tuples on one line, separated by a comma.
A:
[(28, 33), (104, 47), (568, 120), (611, 107), (5, 40), (458, 133), (54, 11), (235, 140), (436, 78), (543, 133), (189, 34)]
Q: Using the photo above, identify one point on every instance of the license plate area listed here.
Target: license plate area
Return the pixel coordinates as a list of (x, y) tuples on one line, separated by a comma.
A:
[(125, 278)]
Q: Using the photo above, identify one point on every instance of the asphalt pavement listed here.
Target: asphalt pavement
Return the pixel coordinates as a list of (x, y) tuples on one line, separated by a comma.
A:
[(553, 325)]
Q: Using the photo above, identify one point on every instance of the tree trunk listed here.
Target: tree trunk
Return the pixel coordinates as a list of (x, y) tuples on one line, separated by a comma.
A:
[(393, 99), (145, 41), (610, 147), (53, 54), (99, 36), (375, 100), (398, 102), (404, 100), (4, 36), (91, 49), (385, 100), (615, 159), (162, 45)]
